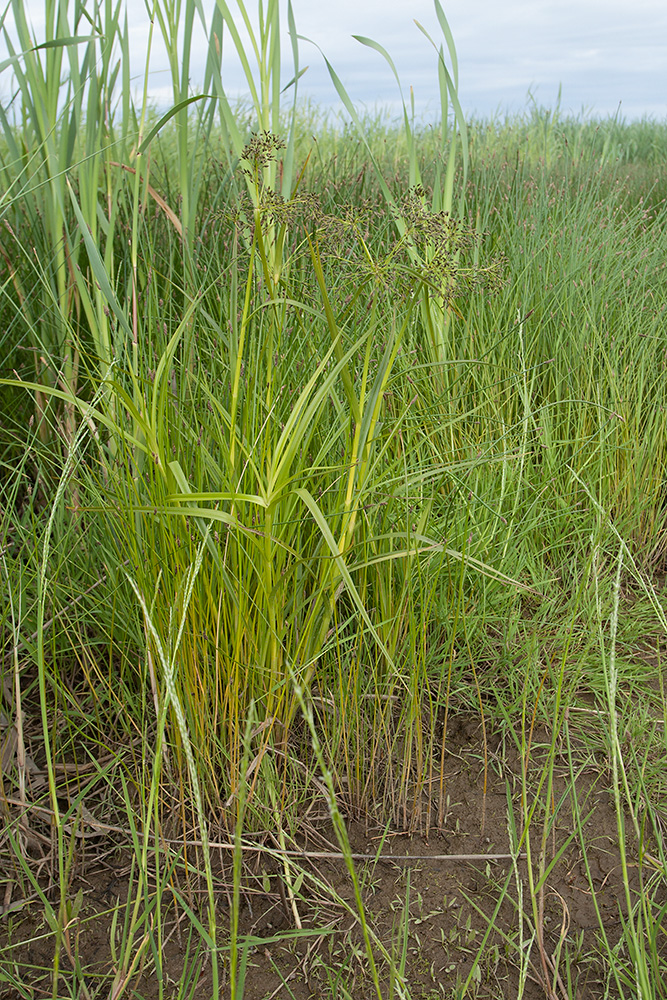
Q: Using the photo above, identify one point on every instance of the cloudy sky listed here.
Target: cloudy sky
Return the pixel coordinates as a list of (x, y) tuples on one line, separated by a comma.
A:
[(604, 54)]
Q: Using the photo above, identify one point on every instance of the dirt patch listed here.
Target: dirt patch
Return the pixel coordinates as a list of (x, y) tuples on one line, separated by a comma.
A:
[(450, 909)]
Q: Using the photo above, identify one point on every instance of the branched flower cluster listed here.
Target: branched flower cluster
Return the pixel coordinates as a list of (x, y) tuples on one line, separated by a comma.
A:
[(441, 247), (273, 209), (433, 249), (262, 149)]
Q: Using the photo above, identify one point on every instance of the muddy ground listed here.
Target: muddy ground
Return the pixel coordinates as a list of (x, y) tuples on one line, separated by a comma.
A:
[(446, 907)]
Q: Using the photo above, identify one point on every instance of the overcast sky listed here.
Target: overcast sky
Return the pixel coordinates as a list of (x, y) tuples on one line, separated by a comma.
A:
[(603, 53)]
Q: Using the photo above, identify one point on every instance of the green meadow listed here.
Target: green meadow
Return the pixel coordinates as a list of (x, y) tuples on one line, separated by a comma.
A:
[(333, 532)]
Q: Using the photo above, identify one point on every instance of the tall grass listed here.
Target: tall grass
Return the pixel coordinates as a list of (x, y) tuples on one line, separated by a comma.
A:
[(305, 439)]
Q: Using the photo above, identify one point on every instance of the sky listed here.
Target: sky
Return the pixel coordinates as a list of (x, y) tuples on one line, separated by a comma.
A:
[(601, 56), (603, 53)]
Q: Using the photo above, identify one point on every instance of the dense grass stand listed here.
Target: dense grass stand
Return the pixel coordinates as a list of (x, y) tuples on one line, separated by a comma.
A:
[(333, 531)]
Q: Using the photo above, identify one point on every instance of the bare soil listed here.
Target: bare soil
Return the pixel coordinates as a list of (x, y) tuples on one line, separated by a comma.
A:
[(435, 902)]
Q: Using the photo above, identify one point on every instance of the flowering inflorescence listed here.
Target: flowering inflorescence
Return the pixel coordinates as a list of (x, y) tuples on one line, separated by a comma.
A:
[(262, 149), (426, 248)]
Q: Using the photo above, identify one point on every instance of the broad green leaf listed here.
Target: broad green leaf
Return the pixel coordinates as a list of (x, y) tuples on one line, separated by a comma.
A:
[(320, 520), (169, 115)]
